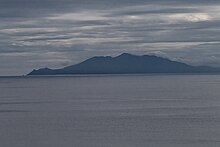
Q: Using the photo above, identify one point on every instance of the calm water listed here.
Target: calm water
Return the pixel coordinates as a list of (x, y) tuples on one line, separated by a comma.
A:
[(110, 111)]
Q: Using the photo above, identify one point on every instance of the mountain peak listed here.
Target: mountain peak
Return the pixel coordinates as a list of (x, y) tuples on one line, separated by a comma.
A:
[(126, 64), (125, 55)]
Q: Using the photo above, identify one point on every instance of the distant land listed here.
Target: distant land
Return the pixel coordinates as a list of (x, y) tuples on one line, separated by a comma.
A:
[(126, 64)]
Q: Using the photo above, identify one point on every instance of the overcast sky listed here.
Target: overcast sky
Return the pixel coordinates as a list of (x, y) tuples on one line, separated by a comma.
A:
[(57, 33)]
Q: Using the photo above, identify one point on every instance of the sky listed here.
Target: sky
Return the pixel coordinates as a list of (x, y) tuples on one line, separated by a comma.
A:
[(57, 33)]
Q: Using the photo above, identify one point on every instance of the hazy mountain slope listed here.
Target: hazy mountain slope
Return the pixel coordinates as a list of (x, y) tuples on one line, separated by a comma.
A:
[(126, 64)]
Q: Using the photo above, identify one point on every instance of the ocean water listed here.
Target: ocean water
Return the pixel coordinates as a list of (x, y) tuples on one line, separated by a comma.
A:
[(110, 111)]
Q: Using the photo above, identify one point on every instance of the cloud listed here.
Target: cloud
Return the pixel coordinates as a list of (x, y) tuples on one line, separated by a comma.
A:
[(55, 33), (191, 17)]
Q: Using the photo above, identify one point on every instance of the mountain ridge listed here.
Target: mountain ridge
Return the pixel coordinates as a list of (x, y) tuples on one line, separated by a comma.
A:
[(126, 64)]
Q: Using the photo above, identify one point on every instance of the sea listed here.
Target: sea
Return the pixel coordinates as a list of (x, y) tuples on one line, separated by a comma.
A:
[(110, 111)]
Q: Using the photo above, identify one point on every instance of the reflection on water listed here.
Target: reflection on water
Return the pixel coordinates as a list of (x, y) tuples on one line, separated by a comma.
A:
[(110, 111)]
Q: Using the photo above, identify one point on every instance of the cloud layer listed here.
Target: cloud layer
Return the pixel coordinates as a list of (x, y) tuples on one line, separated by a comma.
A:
[(56, 33)]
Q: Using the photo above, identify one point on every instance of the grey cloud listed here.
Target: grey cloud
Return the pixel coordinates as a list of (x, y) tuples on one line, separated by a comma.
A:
[(55, 33), (37, 8), (158, 11)]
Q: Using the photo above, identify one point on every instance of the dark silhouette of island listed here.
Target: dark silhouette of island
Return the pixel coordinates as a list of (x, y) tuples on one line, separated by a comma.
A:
[(126, 64)]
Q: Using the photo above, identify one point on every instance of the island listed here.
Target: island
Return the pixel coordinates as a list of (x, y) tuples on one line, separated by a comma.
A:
[(126, 64)]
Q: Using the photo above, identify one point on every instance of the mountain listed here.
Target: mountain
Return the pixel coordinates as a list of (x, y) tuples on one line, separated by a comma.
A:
[(126, 64)]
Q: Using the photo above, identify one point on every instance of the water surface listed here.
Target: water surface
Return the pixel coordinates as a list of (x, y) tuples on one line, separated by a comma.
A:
[(110, 111)]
